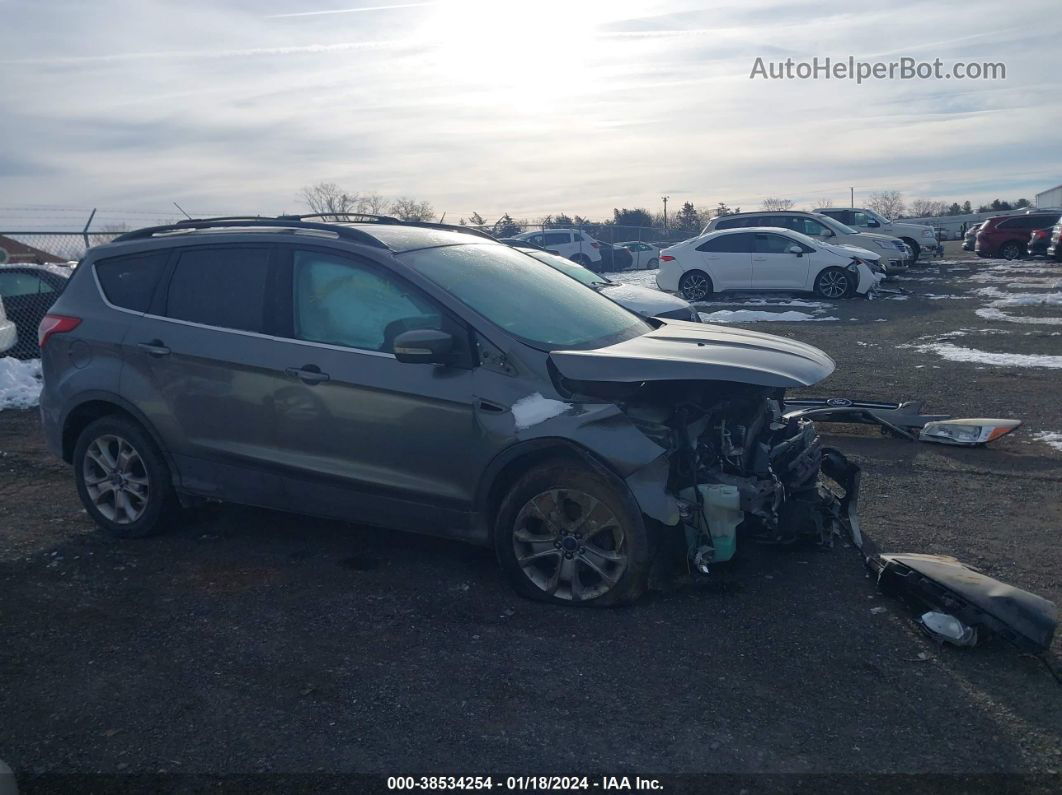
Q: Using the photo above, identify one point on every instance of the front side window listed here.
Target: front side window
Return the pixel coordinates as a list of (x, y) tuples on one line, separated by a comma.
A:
[(731, 223), (342, 302), (530, 300), (858, 219), (738, 243), (15, 284), (224, 287)]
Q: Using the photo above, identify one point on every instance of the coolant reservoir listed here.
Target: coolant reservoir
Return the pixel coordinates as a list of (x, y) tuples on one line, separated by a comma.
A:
[(722, 513)]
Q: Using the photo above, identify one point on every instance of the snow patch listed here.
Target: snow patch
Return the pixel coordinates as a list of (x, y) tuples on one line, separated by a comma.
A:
[(1052, 438), (954, 353), (991, 313), (20, 383), (753, 316), (534, 408)]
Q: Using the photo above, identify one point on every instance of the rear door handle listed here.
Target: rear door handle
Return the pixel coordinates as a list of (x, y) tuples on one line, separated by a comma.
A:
[(154, 348), (308, 374)]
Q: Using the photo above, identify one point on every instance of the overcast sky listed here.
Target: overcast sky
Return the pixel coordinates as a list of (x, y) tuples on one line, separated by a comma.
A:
[(530, 107)]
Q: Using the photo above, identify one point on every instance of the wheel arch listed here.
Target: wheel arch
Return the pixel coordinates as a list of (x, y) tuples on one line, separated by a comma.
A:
[(511, 464), (94, 406)]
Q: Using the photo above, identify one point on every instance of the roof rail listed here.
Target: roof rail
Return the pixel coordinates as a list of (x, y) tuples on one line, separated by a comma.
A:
[(258, 221), (391, 220)]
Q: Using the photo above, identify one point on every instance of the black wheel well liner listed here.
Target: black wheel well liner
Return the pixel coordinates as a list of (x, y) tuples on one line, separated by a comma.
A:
[(511, 464), (98, 405)]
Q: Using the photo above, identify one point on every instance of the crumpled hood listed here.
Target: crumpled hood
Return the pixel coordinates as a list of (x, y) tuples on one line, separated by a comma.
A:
[(642, 300), (846, 249), (685, 351)]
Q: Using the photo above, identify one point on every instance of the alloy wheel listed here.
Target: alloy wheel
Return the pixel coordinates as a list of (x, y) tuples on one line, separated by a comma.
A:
[(833, 284), (694, 287), (116, 479), (570, 544), (1011, 251)]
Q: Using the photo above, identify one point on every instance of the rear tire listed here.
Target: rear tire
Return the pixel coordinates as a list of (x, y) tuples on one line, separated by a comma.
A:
[(653, 264), (695, 285), (1012, 249), (581, 259), (834, 283), (122, 479), (565, 534)]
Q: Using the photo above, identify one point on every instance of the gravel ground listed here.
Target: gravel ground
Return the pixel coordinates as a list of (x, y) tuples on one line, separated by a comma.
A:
[(248, 641)]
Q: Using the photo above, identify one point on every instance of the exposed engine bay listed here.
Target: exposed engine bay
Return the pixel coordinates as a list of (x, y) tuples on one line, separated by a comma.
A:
[(738, 466)]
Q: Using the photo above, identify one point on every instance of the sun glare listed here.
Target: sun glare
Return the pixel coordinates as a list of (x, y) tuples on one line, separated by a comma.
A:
[(519, 47)]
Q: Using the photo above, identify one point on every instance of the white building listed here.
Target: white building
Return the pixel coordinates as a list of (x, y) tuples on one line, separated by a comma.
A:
[(1050, 198)]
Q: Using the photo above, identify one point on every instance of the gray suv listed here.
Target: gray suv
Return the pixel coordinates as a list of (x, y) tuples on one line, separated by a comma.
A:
[(430, 379)]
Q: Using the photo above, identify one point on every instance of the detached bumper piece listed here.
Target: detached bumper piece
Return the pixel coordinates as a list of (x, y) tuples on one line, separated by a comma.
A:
[(902, 419), (957, 602)]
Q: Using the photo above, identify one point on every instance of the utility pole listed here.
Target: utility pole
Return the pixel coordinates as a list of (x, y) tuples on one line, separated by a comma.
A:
[(852, 192), (665, 198)]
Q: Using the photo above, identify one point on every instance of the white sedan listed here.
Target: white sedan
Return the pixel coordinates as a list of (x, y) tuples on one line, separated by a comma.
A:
[(766, 258), (644, 256)]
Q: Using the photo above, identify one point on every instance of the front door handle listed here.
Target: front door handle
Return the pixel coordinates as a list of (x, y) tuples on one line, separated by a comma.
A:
[(308, 374), (154, 348)]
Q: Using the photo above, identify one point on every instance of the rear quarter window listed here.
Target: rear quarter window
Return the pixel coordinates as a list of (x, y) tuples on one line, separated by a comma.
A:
[(129, 282)]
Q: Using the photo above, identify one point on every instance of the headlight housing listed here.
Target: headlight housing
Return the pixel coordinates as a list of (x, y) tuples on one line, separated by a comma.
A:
[(884, 244), (967, 431)]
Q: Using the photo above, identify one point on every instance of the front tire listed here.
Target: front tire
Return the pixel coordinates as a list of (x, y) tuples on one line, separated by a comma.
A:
[(122, 479), (834, 283), (1012, 249), (567, 535), (915, 249), (695, 285)]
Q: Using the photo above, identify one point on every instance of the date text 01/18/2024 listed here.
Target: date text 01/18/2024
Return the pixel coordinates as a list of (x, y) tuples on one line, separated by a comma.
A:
[(523, 783)]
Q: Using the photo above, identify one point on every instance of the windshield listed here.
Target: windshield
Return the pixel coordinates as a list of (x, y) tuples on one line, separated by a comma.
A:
[(569, 268), (835, 225), (535, 303)]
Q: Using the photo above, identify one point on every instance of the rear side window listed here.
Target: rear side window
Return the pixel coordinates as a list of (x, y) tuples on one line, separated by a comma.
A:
[(224, 287), (557, 238), (129, 282), (740, 243)]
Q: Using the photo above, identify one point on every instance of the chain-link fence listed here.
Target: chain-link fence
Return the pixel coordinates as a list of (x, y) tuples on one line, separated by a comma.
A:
[(34, 268)]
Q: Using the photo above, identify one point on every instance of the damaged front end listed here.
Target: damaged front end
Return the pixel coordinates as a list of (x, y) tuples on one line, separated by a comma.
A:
[(738, 465)]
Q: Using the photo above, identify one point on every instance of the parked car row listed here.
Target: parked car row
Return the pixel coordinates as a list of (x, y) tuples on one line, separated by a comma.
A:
[(1015, 236), (892, 252), (766, 258)]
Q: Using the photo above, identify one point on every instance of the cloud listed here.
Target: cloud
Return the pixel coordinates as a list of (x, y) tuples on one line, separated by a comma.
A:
[(224, 107)]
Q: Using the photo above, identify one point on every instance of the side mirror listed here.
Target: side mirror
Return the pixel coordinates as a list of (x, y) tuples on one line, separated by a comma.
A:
[(795, 249), (423, 346)]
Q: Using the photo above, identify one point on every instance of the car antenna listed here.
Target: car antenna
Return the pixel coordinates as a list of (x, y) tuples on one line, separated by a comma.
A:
[(179, 207)]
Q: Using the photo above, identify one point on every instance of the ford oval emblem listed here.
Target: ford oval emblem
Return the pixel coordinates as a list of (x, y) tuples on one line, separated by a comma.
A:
[(839, 402)]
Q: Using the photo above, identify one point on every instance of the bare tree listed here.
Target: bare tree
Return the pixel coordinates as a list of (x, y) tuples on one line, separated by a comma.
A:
[(924, 208), (328, 198), (825, 204), (771, 203), (372, 203), (411, 210), (888, 203)]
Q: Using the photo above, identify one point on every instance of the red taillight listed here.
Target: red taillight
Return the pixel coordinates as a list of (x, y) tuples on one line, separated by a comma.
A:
[(666, 258), (55, 324)]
